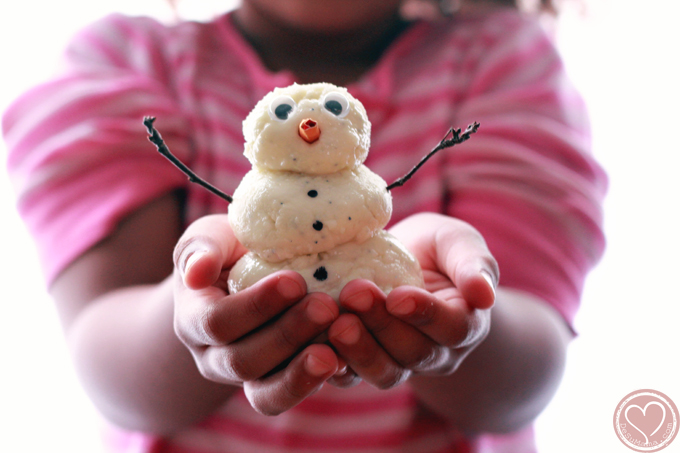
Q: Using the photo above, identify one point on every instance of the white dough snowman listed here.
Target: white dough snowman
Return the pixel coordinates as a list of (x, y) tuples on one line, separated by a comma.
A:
[(309, 204)]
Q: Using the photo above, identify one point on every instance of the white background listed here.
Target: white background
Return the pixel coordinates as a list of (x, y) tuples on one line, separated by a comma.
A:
[(622, 54)]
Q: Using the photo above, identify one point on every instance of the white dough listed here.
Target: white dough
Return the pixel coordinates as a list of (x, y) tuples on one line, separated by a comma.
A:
[(309, 204), (382, 259), (279, 215), (275, 145)]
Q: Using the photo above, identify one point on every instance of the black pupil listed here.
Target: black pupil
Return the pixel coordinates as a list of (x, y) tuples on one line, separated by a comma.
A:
[(282, 111), (334, 107)]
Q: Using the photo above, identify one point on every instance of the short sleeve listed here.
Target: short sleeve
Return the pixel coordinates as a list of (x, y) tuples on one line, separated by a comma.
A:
[(79, 159), (527, 179)]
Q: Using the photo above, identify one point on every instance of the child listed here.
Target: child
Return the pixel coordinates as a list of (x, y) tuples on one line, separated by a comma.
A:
[(179, 365)]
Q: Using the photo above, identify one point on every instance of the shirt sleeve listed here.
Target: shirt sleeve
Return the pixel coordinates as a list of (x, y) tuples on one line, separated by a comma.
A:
[(527, 180), (79, 159)]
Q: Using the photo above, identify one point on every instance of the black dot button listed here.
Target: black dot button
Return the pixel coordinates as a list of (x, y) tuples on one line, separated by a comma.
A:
[(321, 274)]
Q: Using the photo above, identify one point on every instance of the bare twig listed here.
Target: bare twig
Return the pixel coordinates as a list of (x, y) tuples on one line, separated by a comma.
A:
[(156, 139), (456, 138)]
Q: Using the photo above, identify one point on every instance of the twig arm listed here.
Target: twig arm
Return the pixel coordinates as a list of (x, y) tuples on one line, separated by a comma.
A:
[(456, 138), (156, 139)]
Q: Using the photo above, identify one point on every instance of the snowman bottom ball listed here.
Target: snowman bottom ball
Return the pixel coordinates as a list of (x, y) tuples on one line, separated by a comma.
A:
[(381, 259)]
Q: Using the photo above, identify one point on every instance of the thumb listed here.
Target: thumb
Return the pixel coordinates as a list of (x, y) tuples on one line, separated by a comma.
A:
[(477, 284), (462, 254), (454, 249), (206, 248)]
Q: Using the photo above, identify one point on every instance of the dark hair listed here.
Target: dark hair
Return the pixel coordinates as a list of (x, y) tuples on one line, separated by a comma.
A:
[(543, 5)]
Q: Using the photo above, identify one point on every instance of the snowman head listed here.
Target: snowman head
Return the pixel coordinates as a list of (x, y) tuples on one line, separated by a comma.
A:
[(314, 129)]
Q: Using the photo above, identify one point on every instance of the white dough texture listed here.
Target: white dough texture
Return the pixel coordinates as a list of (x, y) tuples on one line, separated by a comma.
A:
[(309, 204), (276, 145), (279, 215), (381, 259)]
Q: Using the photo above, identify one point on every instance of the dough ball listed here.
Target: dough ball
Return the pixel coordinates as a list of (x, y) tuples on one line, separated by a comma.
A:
[(279, 215), (381, 259), (274, 143)]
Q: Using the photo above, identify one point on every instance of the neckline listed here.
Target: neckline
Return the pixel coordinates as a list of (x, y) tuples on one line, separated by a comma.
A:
[(376, 82)]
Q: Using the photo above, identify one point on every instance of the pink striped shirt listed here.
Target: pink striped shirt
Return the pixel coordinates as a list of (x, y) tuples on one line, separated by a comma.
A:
[(80, 161)]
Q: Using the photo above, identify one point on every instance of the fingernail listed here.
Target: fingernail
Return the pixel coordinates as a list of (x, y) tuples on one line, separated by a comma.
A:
[(361, 301), (404, 308), (320, 312), (289, 288), (350, 335), (316, 367), (191, 260), (342, 367), (489, 279)]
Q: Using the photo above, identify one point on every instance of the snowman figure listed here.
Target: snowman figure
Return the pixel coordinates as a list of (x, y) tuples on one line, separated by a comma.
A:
[(309, 204)]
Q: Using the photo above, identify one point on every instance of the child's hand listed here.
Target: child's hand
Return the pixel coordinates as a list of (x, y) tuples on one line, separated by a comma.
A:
[(387, 339), (252, 338)]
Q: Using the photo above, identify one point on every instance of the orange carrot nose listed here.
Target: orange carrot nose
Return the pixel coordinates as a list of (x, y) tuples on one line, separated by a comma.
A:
[(309, 130)]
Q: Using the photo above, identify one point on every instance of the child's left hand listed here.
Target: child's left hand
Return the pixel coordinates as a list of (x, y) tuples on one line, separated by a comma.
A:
[(424, 331)]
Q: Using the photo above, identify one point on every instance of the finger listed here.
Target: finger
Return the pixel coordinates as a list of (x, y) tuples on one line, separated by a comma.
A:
[(206, 248), (344, 378), (363, 354), (210, 317), (304, 376), (451, 247), (404, 342), (462, 254), (445, 316), (264, 350)]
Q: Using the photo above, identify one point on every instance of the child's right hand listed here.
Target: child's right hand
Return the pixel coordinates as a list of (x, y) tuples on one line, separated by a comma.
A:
[(254, 338)]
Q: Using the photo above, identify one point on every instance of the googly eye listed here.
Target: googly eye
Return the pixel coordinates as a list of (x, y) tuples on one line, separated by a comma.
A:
[(281, 108), (337, 104)]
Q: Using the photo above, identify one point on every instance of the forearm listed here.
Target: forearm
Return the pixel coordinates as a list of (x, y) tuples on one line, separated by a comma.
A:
[(133, 366), (507, 380)]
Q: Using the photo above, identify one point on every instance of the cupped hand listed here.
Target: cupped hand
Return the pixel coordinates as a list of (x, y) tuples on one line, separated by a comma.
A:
[(259, 337), (386, 339)]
